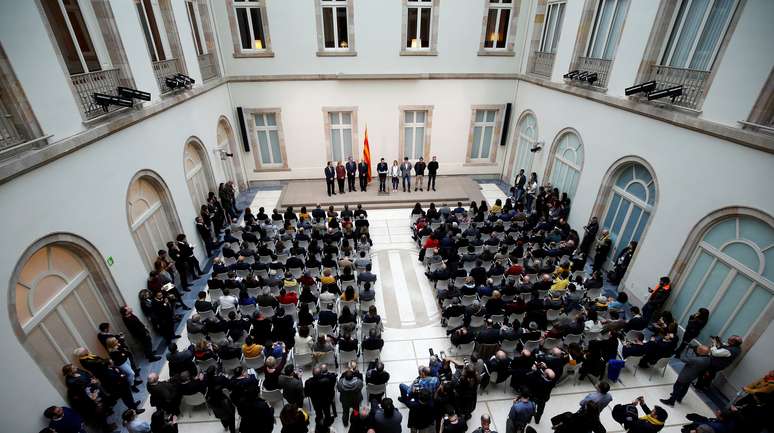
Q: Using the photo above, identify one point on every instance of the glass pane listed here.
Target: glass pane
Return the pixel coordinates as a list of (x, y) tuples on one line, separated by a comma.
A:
[(474, 152), (259, 120), (146, 32), (722, 312), (491, 36), (631, 224), (721, 233), (690, 285), (347, 135), (611, 210), (419, 142), (688, 33), (244, 29), (707, 292), (502, 29), (603, 23), (619, 219), (334, 118), (711, 35), (558, 28), (637, 190), (62, 35), (275, 147), (615, 30), (744, 254), (336, 144), (768, 259), (154, 28), (259, 42), (411, 27), (328, 36), (341, 24), (408, 116), (756, 231), (82, 34), (408, 141), (641, 226), (490, 116), (263, 141), (420, 117), (479, 115), (626, 175), (749, 313), (487, 142), (271, 119), (194, 28), (549, 31), (652, 194), (424, 32), (346, 118)]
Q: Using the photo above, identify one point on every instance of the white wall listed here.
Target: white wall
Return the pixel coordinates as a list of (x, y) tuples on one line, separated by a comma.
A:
[(378, 107), (85, 194), (631, 49)]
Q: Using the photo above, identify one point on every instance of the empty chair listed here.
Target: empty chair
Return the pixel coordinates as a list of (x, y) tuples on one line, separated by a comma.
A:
[(215, 294), (498, 318), (371, 355), (205, 315), (476, 322), (365, 305), (204, 364), (552, 315), (347, 355), (297, 272), (267, 312), (464, 349), (302, 360), (517, 316), (459, 281), (194, 400), (442, 284), (659, 367), (455, 322), (271, 396), (572, 338), (247, 310), (374, 389), (230, 364), (243, 273), (218, 337), (327, 358), (324, 330), (196, 338), (312, 307), (253, 291), (526, 297), (468, 299), (508, 346), (497, 279), (592, 335), (632, 363), (225, 311), (593, 293), (366, 327), (570, 371), (549, 343), (255, 363), (632, 335), (532, 345), (290, 310)]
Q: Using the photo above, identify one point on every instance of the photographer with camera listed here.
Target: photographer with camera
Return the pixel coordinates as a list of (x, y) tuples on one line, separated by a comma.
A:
[(540, 381)]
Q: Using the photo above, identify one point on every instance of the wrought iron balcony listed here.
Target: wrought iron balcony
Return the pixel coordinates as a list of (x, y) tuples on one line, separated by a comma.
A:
[(10, 135), (543, 63), (692, 80), (105, 81), (207, 66), (163, 69), (600, 66)]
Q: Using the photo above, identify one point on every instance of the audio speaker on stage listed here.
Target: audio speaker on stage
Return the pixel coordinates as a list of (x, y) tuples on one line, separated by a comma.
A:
[(506, 124), (243, 129)]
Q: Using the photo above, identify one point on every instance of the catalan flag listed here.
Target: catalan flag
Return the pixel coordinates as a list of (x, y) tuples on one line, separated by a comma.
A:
[(367, 153)]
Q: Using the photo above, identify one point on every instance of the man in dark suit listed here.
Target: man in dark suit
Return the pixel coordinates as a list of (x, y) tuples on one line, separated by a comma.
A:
[(330, 179), (351, 167), (163, 394), (180, 361), (604, 244), (138, 330), (419, 170), (206, 235), (518, 185), (432, 170), (362, 174), (382, 169), (405, 173)]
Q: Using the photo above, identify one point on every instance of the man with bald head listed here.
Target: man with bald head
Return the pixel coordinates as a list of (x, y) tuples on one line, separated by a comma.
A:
[(697, 361), (317, 388), (540, 381), (163, 394)]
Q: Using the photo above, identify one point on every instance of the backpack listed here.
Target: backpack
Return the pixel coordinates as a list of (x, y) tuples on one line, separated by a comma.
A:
[(614, 367)]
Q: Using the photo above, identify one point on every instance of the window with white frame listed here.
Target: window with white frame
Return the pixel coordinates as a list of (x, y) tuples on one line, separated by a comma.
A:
[(267, 132), (335, 24), (153, 29), (608, 24), (414, 128), (484, 122), (72, 35), (498, 20), (698, 27), (552, 28), (250, 20), (419, 20), (196, 27), (340, 134)]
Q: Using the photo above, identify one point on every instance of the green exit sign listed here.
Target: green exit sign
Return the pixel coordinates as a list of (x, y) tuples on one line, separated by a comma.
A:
[(110, 260)]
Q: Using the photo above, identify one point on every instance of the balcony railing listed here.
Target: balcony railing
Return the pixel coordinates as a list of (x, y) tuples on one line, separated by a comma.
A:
[(600, 66), (543, 63), (692, 80), (9, 134), (163, 69), (207, 66), (87, 84)]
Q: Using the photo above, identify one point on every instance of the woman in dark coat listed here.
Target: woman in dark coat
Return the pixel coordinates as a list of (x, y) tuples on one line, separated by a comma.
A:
[(696, 323), (466, 391), (218, 401)]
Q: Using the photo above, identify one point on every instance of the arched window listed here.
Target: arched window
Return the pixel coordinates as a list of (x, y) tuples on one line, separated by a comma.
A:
[(150, 217), (630, 205), (197, 173), (528, 136), (731, 273), (567, 163), (61, 296), (232, 165)]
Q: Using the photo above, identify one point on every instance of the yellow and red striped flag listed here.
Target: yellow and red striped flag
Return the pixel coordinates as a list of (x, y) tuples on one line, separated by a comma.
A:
[(367, 153)]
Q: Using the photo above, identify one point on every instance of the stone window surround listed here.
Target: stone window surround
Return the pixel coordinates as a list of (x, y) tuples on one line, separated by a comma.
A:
[(515, 141), (541, 9), (252, 138), (428, 109), (200, 149), (433, 49), (335, 52), (658, 39), (764, 105), (510, 34), (173, 36), (550, 159), (21, 111), (327, 130), (496, 134), (240, 52)]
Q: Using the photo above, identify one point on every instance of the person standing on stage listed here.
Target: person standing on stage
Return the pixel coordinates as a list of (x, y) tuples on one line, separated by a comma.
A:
[(419, 169), (362, 173), (382, 169), (432, 169), (405, 173), (351, 167), (341, 174), (330, 175), (518, 185), (395, 175)]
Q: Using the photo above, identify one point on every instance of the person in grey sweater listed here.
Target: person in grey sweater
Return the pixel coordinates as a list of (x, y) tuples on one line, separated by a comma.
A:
[(697, 361), (350, 389)]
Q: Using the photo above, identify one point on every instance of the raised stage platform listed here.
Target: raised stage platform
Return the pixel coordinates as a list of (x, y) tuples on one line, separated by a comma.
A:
[(450, 189)]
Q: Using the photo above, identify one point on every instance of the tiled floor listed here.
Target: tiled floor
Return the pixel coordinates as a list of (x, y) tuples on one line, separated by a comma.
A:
[(407, 341)]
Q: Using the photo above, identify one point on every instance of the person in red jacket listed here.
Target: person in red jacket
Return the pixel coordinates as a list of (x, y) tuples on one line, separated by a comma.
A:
[(432, 242), (658, 297)]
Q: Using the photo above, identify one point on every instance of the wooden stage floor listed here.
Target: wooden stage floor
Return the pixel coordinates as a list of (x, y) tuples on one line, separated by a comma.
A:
[(450, 189)]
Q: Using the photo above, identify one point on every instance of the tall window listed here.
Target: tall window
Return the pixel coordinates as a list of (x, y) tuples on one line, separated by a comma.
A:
[(420, 28), (250, 19), (608, 24), (731, 273), (498, 20), (414, 126), (267, 132), (698, 28), (527, 139), (150, 27), (483, 134), (149, 217), (340, 134), (196, 28), (335, 15), (552, 27), (631, 204), (567, 164), (197, 173), (72, 35)]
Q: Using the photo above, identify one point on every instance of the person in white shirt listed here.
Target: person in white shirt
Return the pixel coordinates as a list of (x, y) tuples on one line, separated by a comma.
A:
[(593, 324), (227, 301), (303, 341), (395, 175)]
